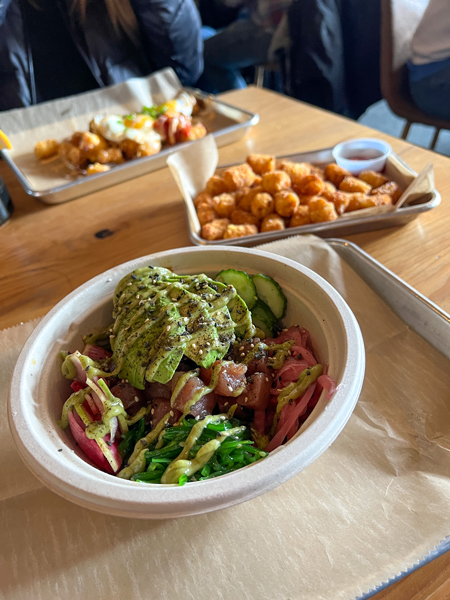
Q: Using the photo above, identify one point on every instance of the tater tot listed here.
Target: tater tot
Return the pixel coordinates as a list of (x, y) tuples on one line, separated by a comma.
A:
[(129, 148), (238, 177), (296, 171), (196, 132), (318, 171), (243, 217), (237, 231), (300, 217), (272, 222), (321, 210), (372, 178), (224, 204), (245, 200), (239, 195), (391, 189), (353, 184), (275, 181), (262, 205), (96, 168), (87, 141), (46, 148), (257, 181), (215, 229), (206, 214), (261, 163), (358, 201), (215, 186), (148, 148), (305, 199), (310, 185), (71, 154), (203, 198), (110, 155), (381, 199), (335, 173), (286, 202), (328, 191), (341, 200)]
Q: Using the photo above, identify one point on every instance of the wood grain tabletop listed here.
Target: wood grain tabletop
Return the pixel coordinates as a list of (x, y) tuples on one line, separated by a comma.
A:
[(47, 251)]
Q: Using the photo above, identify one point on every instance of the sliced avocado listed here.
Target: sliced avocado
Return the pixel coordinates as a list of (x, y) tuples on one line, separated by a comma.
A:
[(160, 316), (242, 318)]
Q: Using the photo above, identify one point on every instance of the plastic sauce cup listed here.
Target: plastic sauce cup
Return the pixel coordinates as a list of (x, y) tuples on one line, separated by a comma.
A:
[(364, 154)]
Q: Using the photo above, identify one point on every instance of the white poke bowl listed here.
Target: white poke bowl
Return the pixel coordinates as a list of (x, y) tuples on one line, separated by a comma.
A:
[(38, 390)]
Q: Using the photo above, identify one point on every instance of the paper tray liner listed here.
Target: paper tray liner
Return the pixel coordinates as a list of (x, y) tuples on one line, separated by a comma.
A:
[(371, 506)]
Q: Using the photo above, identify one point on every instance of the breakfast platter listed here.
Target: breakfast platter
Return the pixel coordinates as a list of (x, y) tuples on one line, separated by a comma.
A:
[(60, 152)]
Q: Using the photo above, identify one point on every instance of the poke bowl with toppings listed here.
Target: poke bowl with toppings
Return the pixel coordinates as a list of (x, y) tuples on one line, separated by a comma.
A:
[(185, 382)]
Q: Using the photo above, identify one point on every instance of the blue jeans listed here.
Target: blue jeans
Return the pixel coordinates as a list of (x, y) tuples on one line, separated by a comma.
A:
[(432, 94), (241, 44)]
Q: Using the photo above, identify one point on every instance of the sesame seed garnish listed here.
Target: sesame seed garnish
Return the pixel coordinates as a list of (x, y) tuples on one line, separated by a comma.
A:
[(267, 379), (152, 411), (252, 345), (245, 399), (241, 348), (226, 403), (171, 413), (147, 320), (168, 328), (230, 388), (200, 351), (242, 354)]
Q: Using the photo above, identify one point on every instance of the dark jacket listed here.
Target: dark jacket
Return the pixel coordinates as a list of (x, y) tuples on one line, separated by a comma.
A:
[(333, 61), (169, 36)]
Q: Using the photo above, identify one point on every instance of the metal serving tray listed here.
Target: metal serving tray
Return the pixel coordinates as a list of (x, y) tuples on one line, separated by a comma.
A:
[(342, 226), (420, 314), (226, 122)]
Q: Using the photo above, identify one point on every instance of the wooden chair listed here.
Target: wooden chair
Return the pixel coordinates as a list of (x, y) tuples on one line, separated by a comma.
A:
[(399, 21)]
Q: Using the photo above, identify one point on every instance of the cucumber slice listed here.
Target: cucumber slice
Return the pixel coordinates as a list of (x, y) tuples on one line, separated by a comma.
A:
[(271, 294), (263, 318), (242, 283)]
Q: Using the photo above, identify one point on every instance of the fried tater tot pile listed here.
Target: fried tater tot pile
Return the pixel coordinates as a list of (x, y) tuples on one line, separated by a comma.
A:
[(265, 194)]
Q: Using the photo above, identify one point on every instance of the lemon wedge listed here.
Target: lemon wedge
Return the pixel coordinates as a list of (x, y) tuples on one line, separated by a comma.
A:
[(5, 144)]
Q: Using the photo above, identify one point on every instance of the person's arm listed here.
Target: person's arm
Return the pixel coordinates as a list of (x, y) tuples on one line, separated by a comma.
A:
[(4, 5), (171, 31)]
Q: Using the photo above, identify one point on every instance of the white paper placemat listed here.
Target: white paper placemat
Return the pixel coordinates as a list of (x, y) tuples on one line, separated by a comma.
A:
[(372, 505)]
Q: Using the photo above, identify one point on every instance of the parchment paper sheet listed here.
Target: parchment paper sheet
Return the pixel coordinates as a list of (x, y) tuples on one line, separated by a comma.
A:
[(373, 504)]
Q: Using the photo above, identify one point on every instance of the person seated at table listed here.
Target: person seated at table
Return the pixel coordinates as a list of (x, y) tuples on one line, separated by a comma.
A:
[(429, 68), (54, 48), (246, 42)]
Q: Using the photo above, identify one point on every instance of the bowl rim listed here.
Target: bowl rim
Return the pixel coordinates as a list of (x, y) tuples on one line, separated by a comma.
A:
[(381, 143), (213, 494)]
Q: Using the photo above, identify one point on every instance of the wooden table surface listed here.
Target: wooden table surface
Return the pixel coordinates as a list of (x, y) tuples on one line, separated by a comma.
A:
[(47, 251)]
